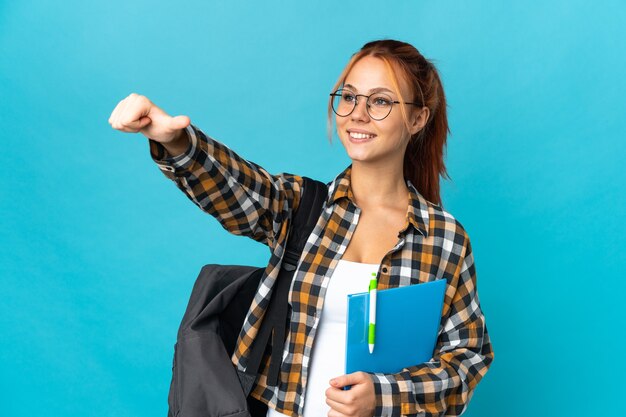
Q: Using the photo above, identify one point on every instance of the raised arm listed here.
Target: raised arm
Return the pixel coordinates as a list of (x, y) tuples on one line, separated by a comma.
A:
[(241, 195)]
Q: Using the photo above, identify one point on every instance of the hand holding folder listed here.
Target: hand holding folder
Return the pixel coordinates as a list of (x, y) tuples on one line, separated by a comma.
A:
[(407, 323)]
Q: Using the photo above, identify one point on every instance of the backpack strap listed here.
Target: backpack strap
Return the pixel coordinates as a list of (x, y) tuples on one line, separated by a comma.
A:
[(277, 315)]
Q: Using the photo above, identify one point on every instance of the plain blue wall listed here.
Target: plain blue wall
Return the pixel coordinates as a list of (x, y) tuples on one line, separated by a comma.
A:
[(99, 250)]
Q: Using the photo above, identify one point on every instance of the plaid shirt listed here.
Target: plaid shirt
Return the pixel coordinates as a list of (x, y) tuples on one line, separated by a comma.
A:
[(432, 245)]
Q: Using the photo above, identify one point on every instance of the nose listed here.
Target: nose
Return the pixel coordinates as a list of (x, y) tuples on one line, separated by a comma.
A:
[(360, 110)]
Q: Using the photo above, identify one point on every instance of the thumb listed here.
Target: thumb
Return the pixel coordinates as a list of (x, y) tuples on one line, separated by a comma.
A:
[(179, 122)]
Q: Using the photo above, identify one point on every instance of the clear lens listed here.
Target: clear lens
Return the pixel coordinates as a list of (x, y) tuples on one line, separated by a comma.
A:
[(343, 102), (378, 104)]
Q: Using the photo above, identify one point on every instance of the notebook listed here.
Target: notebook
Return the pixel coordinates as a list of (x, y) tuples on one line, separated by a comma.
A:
[(407, 322)]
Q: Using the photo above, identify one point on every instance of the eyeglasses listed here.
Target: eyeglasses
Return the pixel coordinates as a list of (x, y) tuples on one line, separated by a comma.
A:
[(378, 105)]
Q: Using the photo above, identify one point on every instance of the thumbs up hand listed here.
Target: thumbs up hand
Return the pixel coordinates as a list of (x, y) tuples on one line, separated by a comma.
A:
[(137, 114)]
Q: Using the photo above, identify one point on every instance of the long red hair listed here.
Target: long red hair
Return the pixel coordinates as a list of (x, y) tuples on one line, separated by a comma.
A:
[(423, 159)]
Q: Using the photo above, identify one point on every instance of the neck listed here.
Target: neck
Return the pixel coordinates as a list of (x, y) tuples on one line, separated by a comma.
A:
[(377, 185)]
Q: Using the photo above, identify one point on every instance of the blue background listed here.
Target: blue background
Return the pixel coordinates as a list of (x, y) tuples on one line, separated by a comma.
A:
[(99, 250)]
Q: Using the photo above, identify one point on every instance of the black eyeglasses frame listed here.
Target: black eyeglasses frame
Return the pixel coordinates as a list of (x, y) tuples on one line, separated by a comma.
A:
[(367, 106)]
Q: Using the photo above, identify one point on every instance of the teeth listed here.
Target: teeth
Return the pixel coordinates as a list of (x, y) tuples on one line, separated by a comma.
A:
[(360, 135)]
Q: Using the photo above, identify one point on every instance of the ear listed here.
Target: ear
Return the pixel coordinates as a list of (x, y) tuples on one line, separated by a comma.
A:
[(418, 120)]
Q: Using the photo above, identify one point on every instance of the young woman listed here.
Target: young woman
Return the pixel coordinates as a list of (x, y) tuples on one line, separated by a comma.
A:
[(383, 214)]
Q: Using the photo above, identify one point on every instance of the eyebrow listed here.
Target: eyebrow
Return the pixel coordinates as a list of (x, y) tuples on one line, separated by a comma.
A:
[(373, 90)]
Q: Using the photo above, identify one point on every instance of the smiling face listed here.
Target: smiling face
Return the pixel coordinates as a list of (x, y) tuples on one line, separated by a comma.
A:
[(377, 141)]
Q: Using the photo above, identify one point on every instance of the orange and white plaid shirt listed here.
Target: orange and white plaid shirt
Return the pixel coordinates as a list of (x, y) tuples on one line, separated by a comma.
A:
[(432, 245)]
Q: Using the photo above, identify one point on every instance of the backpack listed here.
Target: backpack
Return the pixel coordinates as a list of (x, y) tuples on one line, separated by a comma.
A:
[(205, 383)]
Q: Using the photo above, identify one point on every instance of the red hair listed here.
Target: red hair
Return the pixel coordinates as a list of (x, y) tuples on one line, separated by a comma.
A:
[(423, 159)]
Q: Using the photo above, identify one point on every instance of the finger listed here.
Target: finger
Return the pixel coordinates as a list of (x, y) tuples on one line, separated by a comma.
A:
[(336, 382), (110, 121), (333, 413), (133, 118), (137, 125), (138, 108), (122, 116), (117, 121), (143, 122), (115, 113), (339, 395), (338, 408), (348, 379), (179, 122), (134, 110)]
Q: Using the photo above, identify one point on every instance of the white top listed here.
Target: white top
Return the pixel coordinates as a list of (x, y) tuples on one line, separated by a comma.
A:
[(329, 346)]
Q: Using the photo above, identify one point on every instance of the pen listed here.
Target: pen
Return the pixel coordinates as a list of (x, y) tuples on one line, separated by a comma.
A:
[(372, 323)]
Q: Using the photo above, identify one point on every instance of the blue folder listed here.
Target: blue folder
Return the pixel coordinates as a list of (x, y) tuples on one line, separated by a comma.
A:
[(407, 323)]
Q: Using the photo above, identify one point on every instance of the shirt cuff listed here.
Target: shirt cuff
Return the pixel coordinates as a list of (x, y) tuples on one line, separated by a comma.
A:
[(395, 396), (169, 163)]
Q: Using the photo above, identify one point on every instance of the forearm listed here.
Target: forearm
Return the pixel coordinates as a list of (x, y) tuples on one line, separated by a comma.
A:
[(243, 196), (444, 385)]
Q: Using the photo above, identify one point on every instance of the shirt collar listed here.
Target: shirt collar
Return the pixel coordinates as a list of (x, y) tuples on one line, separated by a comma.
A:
[(417, 213)]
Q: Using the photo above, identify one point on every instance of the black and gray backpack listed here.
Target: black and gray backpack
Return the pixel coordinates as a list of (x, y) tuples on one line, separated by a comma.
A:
[(204, 381)]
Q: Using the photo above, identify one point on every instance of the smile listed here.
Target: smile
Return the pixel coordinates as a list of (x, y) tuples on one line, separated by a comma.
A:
[(355, 135)]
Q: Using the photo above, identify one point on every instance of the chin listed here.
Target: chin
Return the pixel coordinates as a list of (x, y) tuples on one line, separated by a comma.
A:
[(354, 152), (359, 156), (358, 152)]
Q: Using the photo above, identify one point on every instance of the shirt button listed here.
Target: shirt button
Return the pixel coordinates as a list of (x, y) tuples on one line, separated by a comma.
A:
[(385, 269)]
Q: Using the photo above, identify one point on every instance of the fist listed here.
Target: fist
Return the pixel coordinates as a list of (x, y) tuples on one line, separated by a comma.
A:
[(137, 114)]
